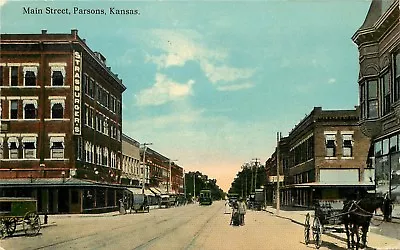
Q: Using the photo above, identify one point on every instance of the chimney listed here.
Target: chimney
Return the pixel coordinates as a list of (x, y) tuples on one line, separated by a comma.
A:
[(74, 32), (44, 32)]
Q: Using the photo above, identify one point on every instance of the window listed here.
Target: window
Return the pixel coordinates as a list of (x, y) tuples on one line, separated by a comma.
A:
[(86, 83), (385, 146), (57, 109), (14, 109), (385, 93), (57, 76), (347, 145), (1, 148), (378, 148), (393, 144), (30, 76), (29, 145), (57, 147), (105, 154), (79, 148), (13, 145), (330, 145), (397, 77), (369, 99), (30, 107), (1, 75), (14, 76), (91, 87)]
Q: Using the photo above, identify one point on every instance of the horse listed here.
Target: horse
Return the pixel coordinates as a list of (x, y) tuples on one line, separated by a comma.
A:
[(358, 213)]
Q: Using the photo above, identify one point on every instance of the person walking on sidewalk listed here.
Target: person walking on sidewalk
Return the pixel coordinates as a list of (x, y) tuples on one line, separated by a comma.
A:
[(242, 210)]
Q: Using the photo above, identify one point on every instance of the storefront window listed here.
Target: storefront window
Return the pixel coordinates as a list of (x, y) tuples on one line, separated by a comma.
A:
[(385, 146), (378, 148)]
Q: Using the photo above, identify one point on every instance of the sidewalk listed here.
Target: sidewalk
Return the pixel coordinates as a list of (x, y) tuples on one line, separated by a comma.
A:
[(375, 241)]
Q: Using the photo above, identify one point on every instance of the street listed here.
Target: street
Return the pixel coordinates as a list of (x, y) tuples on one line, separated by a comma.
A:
[(185, 227)]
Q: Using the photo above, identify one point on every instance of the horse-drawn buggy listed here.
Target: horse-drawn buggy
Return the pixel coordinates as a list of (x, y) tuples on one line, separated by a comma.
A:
[(355, 215), (140, 203), (18, 211)]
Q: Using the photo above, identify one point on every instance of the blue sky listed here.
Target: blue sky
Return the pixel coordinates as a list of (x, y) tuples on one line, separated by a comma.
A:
[(211, 82)]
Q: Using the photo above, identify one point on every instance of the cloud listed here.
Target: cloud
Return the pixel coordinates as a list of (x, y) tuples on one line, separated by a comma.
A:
[(164, 90), (2, 2), (235, 87), (178, 47), (224, 73), (331, 80)]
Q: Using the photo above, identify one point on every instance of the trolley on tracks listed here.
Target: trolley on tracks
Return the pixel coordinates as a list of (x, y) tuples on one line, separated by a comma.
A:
[(327, 216), (16, 211)]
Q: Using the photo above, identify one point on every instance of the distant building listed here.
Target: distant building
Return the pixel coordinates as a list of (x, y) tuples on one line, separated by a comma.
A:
[(324, 156), (131, 170), (61, 123), (378, 41)]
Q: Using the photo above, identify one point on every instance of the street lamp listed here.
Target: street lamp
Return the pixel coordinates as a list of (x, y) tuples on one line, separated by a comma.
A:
[(144, 163)]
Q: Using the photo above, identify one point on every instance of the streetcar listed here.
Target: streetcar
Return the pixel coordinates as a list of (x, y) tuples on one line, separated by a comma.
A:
[(205, 197)]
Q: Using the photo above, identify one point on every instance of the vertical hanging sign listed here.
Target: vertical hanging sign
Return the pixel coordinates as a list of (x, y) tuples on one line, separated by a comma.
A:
[(77, 73)]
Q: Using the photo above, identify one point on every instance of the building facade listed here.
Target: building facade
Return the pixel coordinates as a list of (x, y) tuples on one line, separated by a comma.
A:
[(131, 170), (61, 123), (324, 157), (378, 41)]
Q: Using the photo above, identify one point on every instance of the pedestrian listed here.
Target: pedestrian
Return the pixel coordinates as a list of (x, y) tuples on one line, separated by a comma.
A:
[(242, 210)]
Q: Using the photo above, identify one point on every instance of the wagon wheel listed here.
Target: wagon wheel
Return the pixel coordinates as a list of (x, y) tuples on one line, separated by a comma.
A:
[(10, 224), (317, 232), (307, 229), (31, 224), (3, 229)]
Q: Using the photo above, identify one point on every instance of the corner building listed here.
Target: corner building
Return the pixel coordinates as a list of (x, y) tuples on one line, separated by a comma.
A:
[(378, 41), (61, 123)]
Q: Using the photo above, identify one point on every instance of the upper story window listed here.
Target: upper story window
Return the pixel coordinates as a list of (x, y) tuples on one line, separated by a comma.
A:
[(13, 145), (347, 145), (385, 93), (57, 76), (1, 75), (57, 109), (330, 145), (14, 75), (29, 146), (1, 148), (30, 74), (57, 147), (397, 75), (14, 109), (30, 107), (369, 99)]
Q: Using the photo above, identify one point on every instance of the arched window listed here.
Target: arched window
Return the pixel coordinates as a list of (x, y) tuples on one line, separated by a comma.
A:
[(57, 111), (30, 110)]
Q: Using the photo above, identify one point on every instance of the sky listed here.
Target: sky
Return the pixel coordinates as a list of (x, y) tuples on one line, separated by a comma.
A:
[(210, 83)]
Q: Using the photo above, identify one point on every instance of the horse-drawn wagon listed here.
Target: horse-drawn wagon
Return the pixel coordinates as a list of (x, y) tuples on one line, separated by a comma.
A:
[(16, 211), (355, 215)]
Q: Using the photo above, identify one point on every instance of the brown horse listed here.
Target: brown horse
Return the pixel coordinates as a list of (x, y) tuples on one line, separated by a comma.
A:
[(358, 214)]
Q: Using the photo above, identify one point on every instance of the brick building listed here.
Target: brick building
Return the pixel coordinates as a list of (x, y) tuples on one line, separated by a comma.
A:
[(324, 156), (131, 171), (378, 41), (61, 123)]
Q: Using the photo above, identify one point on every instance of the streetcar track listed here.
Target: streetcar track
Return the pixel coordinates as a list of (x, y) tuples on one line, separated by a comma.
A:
[(201, 229), (157, 222), (171, 230)]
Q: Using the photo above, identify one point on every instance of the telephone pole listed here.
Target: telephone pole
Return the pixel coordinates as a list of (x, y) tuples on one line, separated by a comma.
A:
[(144, 164), (278, 138), (256, 168)]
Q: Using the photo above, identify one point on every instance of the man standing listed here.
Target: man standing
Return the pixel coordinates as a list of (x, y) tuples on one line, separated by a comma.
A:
[(241, 210)]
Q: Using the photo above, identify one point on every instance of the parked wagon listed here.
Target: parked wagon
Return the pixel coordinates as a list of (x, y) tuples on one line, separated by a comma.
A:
[(140, 203), (328, 216), (16, 211)]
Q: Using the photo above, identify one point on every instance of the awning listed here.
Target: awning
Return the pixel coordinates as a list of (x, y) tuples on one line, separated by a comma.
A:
[(155, 191), (322, 185), (148, 192), (135, 190)]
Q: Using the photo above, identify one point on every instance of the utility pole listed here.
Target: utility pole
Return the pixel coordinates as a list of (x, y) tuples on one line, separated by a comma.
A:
[(194, 186), (144, 164), (278, 138), (255, 179), (184, 183)]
